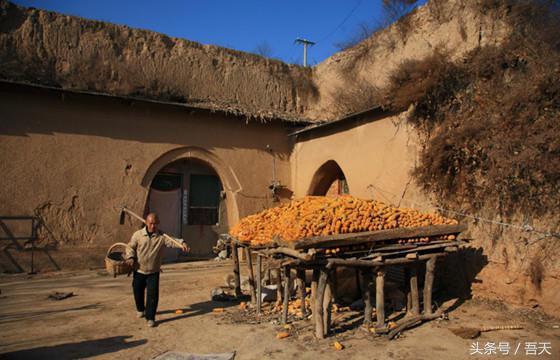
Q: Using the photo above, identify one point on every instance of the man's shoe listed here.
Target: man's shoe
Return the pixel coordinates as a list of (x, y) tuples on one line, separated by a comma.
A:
[(151, 323), (140, 314)]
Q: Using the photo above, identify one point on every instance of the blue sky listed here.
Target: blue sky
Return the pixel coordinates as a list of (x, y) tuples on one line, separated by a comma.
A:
[(244, 25)]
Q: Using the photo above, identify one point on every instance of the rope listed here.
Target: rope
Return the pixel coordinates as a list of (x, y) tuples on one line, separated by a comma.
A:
[(526, 227)]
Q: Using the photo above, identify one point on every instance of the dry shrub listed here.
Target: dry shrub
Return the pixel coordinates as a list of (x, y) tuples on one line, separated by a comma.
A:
[(360, 97), (363, 31), (367, 37), (426, 83), (438, 11), (491, 123), (395, 11)]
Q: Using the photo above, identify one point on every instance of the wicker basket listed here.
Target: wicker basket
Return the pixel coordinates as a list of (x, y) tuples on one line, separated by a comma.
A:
[(115, 261)]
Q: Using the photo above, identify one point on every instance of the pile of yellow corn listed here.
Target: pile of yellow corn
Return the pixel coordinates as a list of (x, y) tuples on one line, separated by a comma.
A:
[(322, 216)]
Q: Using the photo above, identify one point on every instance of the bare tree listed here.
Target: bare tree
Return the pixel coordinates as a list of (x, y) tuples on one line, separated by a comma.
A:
[(263, 49), (363, 32), (395, 9)]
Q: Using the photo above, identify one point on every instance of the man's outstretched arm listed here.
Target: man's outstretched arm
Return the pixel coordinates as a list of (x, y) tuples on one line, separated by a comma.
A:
[(177, 243)]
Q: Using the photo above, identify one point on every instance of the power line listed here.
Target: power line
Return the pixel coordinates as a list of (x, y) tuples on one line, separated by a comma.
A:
[(342, 23), (307, 43)]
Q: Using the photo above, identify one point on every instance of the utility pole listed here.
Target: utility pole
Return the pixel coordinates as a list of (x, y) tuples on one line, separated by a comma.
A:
[(305, 44)]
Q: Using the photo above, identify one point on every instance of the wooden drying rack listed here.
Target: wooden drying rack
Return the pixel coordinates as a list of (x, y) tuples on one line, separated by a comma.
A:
[(368, 252)]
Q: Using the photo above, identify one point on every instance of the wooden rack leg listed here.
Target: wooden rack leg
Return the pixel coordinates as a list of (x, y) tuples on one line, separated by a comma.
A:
[(415, 309), (301, 287), (286, 294), (314, 281), (259, 284), (279, 291), (236, 273), (251, 275), (366, 287), (318, 310), (408, 298), (327, 302), (428, 285), (380, 298)]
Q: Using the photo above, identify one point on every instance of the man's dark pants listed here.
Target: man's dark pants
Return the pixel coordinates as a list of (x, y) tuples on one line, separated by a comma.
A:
[(141, 282)]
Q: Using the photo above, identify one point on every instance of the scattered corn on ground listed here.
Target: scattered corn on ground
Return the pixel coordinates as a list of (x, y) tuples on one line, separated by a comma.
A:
[(338, 346), (323, 216), (294, 306)]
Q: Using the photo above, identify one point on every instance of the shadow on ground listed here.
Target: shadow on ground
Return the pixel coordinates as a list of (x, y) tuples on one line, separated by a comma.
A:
[(14, 317), (457, 273), (82, 349), (196, 309)]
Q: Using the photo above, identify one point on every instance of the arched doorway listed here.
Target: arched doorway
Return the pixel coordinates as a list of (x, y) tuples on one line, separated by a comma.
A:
[(189, 197), (329, 180)]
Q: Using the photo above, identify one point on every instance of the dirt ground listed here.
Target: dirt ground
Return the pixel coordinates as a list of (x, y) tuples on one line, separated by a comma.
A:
[(100, 322)]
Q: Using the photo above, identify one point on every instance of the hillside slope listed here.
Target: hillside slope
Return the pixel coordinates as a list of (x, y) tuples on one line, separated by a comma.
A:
[(350, 80), (490, 125)]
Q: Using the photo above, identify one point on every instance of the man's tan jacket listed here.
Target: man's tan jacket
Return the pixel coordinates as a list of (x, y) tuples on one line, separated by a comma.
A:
[(148, 250)]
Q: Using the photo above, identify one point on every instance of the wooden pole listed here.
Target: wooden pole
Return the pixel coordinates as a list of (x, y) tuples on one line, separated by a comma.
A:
[(410, 322), (327, 303), (428, 285), (236, 273), (290, 252), (380, 298), (366, 287), (407, 290), (251, 275), (259, 284), (286, 294), (314, 281), (279, 287), (318, 310), (415, 309), (374, 263), (301, 287)]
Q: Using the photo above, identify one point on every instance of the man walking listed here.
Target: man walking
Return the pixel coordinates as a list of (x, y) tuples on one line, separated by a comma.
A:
[(146, 249)]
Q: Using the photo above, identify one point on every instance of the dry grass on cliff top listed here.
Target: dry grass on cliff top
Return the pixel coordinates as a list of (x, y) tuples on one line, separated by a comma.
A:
[(491, 123)]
